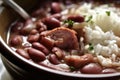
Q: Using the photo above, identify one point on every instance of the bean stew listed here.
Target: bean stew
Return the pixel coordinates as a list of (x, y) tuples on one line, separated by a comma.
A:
[(70, 36)]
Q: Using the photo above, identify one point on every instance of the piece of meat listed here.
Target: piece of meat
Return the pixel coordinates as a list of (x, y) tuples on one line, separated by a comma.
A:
[(61, 37)]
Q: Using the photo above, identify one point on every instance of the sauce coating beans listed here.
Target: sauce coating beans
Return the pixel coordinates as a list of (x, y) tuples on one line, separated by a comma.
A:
[(33, 38), (36, 55), (64, 37), (58, 52), (53, 59), (23, 53), (76, 18), (91, 68), (16, 40), (56, 7), (51, 22), (79, 61), (40, 47)]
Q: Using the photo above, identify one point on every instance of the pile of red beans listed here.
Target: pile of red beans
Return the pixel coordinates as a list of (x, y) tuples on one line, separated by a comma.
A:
[(45, 41)]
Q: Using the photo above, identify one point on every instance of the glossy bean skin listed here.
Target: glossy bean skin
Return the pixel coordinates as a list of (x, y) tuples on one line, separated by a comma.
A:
[(27, 29), (36, 55), (33, 32), (28, 26), (91, 68), (51, 22), (78, 61), (47, 42), (53, 59), (40, 47), (76, 18), (108, 70), (16, 40), (23, 53), (33, 38), (41, 26), (58, 52), (56, 7)]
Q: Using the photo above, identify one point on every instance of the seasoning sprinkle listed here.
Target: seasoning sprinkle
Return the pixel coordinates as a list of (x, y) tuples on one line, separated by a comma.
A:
[(69, 22), (72, 68), (108, 13), (91, 46), (89, 18)]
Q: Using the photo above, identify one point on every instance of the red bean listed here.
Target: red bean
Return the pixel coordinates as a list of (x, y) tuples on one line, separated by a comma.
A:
[(33, 38), (76, 18), (91, 68), (33, 32), (56, 7), (36, 55), (53, 59), (40, 47), (27, 29), (78, 61), (23, 53), (58, 52), (43, 34), (29, 25), (41, 26), (42, 29), (51, 22), (108, 70), (47, 42), (16, 40)]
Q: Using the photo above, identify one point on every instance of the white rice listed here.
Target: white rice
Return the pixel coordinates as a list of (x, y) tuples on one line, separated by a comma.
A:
[(102, 31), (104, 34)]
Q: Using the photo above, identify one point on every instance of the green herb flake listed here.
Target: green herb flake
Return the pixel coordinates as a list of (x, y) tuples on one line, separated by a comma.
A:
[(91, 46), (89, 18), (92, 22), (69, 22), (108, 13), (72, 68)]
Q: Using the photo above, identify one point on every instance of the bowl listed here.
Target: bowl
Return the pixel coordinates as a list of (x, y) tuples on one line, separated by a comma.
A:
[(22, 69)]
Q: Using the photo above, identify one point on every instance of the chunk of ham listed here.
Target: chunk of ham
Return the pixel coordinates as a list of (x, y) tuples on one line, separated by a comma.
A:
[(61, 37)]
